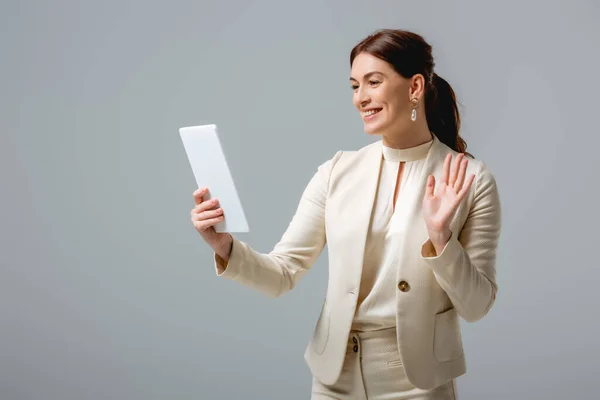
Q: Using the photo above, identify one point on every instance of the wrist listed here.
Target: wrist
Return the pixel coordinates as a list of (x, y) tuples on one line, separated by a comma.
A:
[(224, 247), (440, 238)]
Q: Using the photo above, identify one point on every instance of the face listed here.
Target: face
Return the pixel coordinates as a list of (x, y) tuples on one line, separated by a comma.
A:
[(381, 95)]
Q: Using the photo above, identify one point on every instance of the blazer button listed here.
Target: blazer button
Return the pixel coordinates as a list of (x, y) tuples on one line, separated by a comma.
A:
[(403, 286)]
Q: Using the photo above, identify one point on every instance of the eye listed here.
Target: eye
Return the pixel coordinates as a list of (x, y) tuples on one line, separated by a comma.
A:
[(354, 87), (373, 82)]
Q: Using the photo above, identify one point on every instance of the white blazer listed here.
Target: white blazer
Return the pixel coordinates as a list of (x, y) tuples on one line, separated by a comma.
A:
[(433, 290)]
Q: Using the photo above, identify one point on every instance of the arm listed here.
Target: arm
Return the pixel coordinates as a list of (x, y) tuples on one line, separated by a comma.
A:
[(466, 266), (280, 270)]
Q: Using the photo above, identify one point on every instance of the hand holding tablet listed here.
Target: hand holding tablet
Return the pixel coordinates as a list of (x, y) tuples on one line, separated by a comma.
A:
[(205, 215)]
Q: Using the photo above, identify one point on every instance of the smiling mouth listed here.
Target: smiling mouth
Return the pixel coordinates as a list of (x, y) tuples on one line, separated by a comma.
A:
[(371, 112)]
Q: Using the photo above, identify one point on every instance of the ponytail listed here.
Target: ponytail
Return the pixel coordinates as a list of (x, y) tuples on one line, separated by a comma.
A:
[(442, 114)]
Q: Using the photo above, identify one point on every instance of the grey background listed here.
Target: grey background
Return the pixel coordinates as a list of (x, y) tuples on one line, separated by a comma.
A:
[(108, 292)]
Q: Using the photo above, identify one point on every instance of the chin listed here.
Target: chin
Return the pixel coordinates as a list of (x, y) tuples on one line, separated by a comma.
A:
[(374, 129)]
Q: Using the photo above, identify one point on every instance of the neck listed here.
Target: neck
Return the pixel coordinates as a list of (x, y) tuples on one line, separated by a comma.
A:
[(408, 138)]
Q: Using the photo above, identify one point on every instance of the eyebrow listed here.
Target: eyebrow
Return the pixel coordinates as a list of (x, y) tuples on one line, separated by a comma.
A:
[(367, 75)]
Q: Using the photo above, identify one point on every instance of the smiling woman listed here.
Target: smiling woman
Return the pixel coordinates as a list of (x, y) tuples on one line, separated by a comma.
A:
[(404, 265)]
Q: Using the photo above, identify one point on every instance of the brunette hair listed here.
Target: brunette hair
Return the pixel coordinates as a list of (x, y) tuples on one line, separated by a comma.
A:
[(410, 54)]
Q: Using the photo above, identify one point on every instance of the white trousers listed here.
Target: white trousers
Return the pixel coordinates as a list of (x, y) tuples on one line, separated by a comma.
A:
[(373, 370)]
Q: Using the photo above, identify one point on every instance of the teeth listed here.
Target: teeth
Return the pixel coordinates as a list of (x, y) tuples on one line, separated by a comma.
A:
[(370, 112)]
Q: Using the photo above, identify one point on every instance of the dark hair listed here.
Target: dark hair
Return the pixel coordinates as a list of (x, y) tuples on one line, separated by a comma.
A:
[(410, 54)]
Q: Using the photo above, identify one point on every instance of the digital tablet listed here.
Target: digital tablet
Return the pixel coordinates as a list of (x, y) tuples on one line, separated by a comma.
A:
[(209, 166)]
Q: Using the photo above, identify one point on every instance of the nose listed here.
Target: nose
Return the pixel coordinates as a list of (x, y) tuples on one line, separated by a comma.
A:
[(362, 97)]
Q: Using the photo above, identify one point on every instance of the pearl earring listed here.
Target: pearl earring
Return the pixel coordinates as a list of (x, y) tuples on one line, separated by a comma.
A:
[(413, 115)]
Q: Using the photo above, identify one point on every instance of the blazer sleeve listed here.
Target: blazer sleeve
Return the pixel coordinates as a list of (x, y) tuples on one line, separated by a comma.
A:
[(278, 271), (466, 267)]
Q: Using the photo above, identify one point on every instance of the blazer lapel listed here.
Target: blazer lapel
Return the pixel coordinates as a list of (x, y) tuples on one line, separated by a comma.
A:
[(360, 202)]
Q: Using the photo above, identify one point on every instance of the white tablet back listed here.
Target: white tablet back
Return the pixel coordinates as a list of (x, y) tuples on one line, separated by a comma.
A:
[(210, 169)]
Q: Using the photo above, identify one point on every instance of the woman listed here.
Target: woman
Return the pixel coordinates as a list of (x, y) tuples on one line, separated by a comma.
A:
[(412, 226)]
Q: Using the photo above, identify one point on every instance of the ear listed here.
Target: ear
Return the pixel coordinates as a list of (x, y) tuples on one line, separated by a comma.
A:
[(416, 86)]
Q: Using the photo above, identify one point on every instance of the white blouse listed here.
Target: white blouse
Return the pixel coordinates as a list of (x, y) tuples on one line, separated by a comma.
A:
[(376, 308)]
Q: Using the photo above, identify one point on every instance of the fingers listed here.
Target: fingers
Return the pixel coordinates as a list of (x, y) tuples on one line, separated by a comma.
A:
[(207, 223), (199, 195), (460, 180), (463, 191), (205, 219), (206, 213), (201, 204), (453, 175), (457, 171), (202, 215), (454, 170), (206, 205)]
